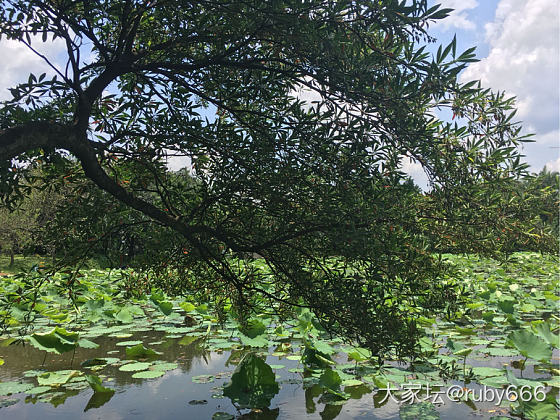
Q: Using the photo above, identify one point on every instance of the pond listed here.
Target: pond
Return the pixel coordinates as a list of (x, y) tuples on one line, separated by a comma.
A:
[(156, 367)]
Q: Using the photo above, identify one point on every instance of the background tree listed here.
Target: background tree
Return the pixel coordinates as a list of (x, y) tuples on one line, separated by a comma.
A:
[(313, 187)]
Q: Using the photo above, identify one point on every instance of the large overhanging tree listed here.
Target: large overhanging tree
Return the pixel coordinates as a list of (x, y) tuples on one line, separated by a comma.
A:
[(295, 118)]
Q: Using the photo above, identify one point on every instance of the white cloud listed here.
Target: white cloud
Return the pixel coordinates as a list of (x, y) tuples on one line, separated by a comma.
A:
[(524, 61), (554, 165), (18, 62), (459, 17), (416, 172)]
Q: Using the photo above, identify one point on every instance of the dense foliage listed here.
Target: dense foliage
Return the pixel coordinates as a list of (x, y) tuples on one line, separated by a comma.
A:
[(293, 119), (120, 338)]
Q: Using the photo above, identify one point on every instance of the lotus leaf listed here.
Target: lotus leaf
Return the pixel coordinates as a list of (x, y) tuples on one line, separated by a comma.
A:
[(253, 383)]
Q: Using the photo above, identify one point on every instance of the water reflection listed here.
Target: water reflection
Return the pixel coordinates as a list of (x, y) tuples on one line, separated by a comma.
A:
[(171, 396)]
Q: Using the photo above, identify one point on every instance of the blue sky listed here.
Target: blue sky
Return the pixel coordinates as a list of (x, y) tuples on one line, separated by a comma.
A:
[(517, 44)]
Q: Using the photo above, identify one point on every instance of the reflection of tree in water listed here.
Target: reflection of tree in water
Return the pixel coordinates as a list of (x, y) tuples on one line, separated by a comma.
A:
[(21, 356), (263, 414)]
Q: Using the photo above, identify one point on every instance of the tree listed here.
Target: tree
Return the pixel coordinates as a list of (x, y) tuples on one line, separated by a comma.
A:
[(20, 227), (312, 186)]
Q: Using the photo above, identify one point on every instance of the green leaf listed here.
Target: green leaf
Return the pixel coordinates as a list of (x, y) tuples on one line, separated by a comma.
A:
[(148, 374), (543, 330), (139, 351), (165, 307), (330, 379), (486, 372), (165, 366), (529, 345), (58, 340), (203, 379), (133, 367), (7, 388), (537, 410), (129, 343), (258, 341), (38, 390), (87, 344), (253, 328), (125, 316), (96, 384), (423, 410), (506, 306), (187, 306), (253, 383), (56, 378)]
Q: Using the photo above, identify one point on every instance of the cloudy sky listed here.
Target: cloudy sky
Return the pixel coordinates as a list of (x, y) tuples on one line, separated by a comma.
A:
[(517, 43)]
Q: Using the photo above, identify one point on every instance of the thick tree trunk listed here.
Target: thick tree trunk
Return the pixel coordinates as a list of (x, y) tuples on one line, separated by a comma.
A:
[(12, 257)]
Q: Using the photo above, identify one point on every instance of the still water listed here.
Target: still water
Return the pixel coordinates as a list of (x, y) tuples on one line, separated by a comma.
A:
[(190, 391)]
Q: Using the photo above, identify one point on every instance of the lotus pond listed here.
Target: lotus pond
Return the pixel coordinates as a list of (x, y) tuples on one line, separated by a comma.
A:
[(155, 357)]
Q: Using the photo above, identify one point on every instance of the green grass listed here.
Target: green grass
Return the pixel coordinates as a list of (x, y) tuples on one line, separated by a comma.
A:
[(26, 262), (21, 263)]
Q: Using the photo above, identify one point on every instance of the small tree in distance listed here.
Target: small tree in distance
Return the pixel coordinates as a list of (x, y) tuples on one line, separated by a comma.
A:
[(315, 189)]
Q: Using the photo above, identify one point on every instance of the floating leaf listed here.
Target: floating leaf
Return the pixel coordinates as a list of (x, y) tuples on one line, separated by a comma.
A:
[(86, 344), (198, 402), (486, 372), (125, 316), (203, 379), (422, 410), (38, 390), (7, 388), (56, 378), (148, 374), (93, 362), (258, 341), (134, 367), (220, 415), (165, 366), (129, 343)]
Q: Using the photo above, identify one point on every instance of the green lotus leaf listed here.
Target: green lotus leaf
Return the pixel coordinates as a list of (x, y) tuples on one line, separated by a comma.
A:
[(486, 372), (203, 379), (129, 343), (87, 344), (134, 367), (423, 410), (148, 374), (530, 345), (7, 388), (165, 366), (96, 384), (56, 378), (58, 341), (139, 351), (543, 330), (253, 328), (258, 341), (38, 390), (253, 383)]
